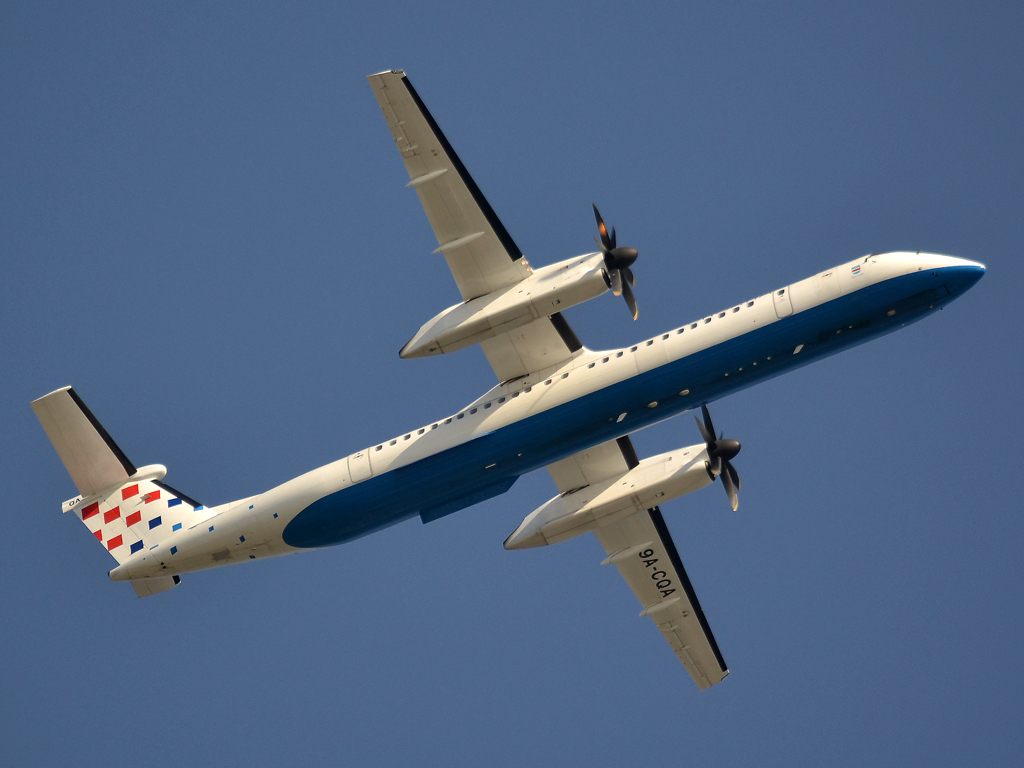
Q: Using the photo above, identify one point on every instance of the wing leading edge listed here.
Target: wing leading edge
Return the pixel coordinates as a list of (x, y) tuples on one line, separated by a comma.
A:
[(480, 252), (641, 547)]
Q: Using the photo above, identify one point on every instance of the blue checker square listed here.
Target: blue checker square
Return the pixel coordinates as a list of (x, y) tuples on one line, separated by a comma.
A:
[(211, 527), (154, 522), (176, 527), (136, 547), (173, 502), (174, 550)]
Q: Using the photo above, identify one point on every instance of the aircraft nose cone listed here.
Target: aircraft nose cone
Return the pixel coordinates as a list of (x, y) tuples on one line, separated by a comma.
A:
[(962, 277)]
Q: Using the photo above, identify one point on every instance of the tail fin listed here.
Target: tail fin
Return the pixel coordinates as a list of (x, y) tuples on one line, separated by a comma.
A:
[(125, 508)]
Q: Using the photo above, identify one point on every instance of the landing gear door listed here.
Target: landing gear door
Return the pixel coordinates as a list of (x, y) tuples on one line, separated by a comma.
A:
[(783, 303)]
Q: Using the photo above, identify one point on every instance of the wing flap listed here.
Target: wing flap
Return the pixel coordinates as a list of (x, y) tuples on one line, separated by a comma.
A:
[(528, 349), (603, 461)]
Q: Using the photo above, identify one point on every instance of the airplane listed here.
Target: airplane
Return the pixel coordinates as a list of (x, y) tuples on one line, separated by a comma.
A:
[(557, 405)]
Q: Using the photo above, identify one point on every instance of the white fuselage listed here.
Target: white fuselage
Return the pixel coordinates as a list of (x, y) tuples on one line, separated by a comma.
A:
[(615, 390)]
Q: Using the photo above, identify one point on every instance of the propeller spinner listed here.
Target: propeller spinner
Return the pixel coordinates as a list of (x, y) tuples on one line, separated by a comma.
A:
[(720, 451), (617, 263)]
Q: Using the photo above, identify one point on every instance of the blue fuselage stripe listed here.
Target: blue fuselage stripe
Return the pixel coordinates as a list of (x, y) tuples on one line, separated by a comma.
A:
[(489, 464)]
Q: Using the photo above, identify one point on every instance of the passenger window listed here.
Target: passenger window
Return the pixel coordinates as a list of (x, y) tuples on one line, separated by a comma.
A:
[(664, 337), (565, 375), (735, 309), (650, 342), (619, 354), (750, 303), (782, 292), (421, 431), (379, 447), (486, 406), (515, 394), (460, 416), (721, 315), (547, 382), (680, 331), (472, 411), (392, 442), (528, 389), (433, 426), (407, 437), (501, 399), (605, 360), (632, 349), (591, 365), (447, 421), (692, 326), (707, 320)]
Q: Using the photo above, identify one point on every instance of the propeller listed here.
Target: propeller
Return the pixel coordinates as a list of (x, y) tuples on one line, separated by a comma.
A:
[(720, 451), (617, 263)]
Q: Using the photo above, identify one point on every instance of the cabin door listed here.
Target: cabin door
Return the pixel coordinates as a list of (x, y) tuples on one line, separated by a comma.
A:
[(783, 303), (359, 466)]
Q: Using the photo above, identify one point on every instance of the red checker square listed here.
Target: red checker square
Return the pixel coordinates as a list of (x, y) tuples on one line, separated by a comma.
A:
[(152, 496), (98, 535), (112, 515), (114, 543), (131, 490), (90, 510), (133, 518)]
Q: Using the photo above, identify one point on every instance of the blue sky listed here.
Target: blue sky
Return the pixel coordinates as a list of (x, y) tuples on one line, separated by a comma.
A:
[(204, 229)]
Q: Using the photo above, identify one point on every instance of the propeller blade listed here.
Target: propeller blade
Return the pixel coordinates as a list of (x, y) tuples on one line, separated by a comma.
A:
[(708, 438), (730, 489), (617, 263), (616, 280), (602, 229), (733, 474), (709, 426), (627, 294)]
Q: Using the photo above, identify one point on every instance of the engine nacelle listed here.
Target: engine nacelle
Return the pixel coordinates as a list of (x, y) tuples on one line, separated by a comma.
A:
[(547, 291), (653, 481)]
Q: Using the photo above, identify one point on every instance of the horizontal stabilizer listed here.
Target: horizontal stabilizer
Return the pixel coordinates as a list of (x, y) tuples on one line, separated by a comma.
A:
[(90, 456), (126, 509)]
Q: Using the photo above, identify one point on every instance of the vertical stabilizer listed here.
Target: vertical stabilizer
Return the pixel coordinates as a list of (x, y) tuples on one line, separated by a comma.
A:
[(127, 509)]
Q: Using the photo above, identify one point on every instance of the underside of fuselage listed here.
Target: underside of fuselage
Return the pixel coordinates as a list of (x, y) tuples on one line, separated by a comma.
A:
[(489, 464)]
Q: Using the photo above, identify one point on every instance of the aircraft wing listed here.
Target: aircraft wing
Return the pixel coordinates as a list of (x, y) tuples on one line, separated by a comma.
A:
[(480, 252), (641, 547)]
